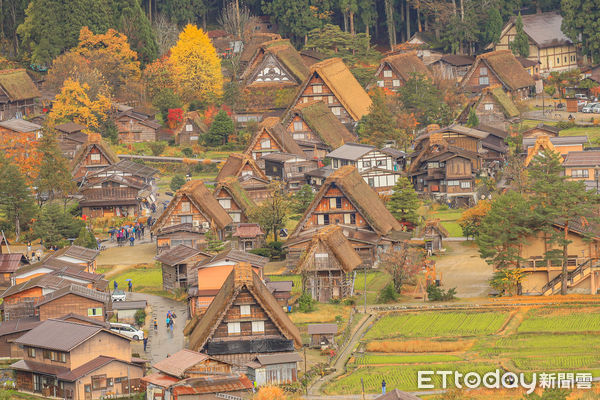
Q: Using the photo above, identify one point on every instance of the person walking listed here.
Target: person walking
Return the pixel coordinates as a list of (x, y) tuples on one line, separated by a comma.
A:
[(130, 284), (168, 322), (155, 324), (29, 253), (131, 240), (145, 343), (115, 285)]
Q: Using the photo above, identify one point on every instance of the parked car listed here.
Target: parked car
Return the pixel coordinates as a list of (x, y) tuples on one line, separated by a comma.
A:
[(127, 330), (118, 295), (588, 107), (596, 108), (581, 96)]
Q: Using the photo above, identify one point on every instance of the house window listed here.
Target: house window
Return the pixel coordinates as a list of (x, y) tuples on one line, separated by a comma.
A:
[(298, 136), (572, 58), (336, 164), (483, 71), (484, 80), (371, 182), (185, 206), (31, 352), (225, 203), (565, 58), (387, 73), (93, 312), (347, 219), (336, 110), (265, 144), (330, 99), (236, 217), (98, 382), (186, 219), (488, 107), (62, 357), (332, 203), (188, 128), (558, 60), (321, 260), (298, 126), (366, 164), (317, 89), (193, 138), (380, 83), (258, 326), (465, 184), (245, 310), (338, 202), (233, 328), (396, 82), (326, 219), (380, 163), (95, 157), (433, 165), (580, 173), (318, 98), (246, 173), (353, 219), (453, 183)]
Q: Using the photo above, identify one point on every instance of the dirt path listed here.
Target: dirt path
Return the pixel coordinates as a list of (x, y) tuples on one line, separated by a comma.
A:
[(463, 268), (128, 255)]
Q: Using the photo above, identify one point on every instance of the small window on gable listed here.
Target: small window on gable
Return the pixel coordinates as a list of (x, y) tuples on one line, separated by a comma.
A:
[(186, 219), (330, 99), (185, 206), (245, 310), (258, 326), (233, 328), (396, 82), (483, 71), (317, 89), (95, 157), (265, 144), (225, 203), (387, 73), (188, 128), (298, 126), (488, 106)]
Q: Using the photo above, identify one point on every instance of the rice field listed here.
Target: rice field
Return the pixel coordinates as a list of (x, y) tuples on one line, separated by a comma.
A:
[(570, 322), (437, 324), (375, 359)]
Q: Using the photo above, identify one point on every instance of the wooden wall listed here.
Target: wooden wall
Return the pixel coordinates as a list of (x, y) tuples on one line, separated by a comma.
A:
[(70, 303)]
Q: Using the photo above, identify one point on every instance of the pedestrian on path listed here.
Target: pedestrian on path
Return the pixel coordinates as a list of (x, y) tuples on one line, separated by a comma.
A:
[(168, 322), (145, 342), (155, 324), (130, 284), (131, 240), (115, 285)]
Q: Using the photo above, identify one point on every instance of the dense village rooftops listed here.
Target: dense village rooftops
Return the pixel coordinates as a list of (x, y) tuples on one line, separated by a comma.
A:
[(558, 141), (17, 84), (59, 335), (457, 60), (18, 325), (70, 127), (176, 364), (544, 29), (316, 329), (323, 123), (20, 125), (407, 64), (179, 254), (351, 151), (77, 290), (582, 159)]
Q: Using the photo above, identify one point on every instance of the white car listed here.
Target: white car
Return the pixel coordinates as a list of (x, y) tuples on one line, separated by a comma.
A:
[(588, 107), (127, 330), (596, 108)]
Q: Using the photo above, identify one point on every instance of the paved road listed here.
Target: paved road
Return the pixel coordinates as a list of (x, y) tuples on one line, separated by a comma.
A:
[(163, 342)]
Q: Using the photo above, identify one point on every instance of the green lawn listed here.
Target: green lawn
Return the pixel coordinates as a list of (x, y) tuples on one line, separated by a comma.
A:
[(447, 218), (296, 289), (144, 279), (374, 359)]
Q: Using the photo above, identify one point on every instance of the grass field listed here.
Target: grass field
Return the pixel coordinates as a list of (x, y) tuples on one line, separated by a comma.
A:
[(147, 279), (546, 338), (296, 289), (447, 218)]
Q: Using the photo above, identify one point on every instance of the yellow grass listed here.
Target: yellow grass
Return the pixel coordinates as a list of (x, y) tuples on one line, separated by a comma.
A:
[(322, 313), (418, 346)]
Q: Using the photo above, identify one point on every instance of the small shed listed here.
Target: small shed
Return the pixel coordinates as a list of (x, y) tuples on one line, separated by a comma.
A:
[(274, 369), (282, 291), (248, 236), (433, 235), (322, 335), (125, 310)]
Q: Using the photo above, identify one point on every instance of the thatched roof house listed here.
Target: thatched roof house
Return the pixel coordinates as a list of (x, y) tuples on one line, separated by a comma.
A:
[(330, 239), (234, 199), (238, 165), (95, 155), (272, 138), (276, 61), (395, 70), (16, 85)]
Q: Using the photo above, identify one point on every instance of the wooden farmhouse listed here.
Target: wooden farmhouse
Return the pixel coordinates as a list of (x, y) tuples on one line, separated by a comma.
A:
[(245, 321), (327, 263), (330, 81), (211, 273), (179, 266), (240, 165), (560, 144), (76, 361), (544, 275), (345, 199), (274, 369), (395, 70), (378, 168), (188, 373), (82, 256), (19, 129), (18, 94), (541, 130), (502, 68), (74, 299), (191, 213), (272, 137), (136, 126), (9, 264), (433, 234), (452, 66), (282, 291), (234, 199), (131, 170), (583, 166), (192, 128), (71, 137), (322, 335), (248, 236), (493, 107), (548, 45), (92, 157), (316, 130), (11, 330), (288, 168)]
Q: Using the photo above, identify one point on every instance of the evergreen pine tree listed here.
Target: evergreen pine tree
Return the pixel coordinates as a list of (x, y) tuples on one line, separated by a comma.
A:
[(16, 201), (302, 199), (493, 27), (379, 124), (520, 44), (404, 202), (221, 127), (472, 121), (213, 243), (86, 238), (54, 225), (54, 177)]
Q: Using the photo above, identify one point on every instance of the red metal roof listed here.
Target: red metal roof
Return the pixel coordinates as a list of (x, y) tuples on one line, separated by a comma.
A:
[(214, 384), (161, 380)]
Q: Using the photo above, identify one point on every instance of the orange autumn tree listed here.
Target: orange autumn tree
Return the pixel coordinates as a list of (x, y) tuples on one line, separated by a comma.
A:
[(270, 393), (196, 66), (73, 104), (470, 220), (23, 152)]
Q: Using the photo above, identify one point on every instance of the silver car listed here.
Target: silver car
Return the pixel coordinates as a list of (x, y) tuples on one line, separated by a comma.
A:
[(596, 108), (588, 108)]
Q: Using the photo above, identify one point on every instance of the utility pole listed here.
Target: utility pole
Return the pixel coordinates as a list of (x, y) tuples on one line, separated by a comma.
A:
[(365, 291)]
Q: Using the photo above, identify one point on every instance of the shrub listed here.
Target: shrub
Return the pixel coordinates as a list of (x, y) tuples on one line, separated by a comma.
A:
[(187, 151), (140, 317), (176, 182), (157, 148), (277, 250), (306, 303), (388, 294), (262, 251), (350, 301), (435, 293), (565, 124)]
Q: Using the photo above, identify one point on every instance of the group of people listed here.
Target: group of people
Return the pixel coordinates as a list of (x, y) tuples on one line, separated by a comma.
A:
[(127, 233), (170, 316)]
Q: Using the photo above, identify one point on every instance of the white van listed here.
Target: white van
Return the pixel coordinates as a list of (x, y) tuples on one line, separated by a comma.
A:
[(127, 330)]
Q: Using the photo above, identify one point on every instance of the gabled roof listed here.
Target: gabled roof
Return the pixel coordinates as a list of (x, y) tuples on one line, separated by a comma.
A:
[(60, 335), (242, 277), (457, 60), (201, 198), (510, 109), (93, 141), (176, 364), (277, 133), (344, 86), (17, 85), (235, 163), (20, 125), (10, 262), (351, 151), (88, 367), (323, 123), (334, 241), (232, 186), (46, 281), (540, 143), (248, 230), (506, 67), (254, 43), (558, 140), (179, 254), (361, 195), (70, 127), (130, 167), (544, 29), (77, 290), (237, 256), (285, 53), (553, 130), (405, 65), (18, 325), (76, 252), (582, 159), (315, 329), (195, 117)]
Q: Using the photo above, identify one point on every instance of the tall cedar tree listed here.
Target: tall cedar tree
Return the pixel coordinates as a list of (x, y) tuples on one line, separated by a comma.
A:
[(296, 17), (302, 199), (271, 214), (16, 201), (221, 127), (558, 200), (503, 230), (54, 177), (54, 225), (86, 238), (580, 24), (493, 27), (420, 97), (472, 120), (404, 202), (196, 66), (379, 124), (520, 45)]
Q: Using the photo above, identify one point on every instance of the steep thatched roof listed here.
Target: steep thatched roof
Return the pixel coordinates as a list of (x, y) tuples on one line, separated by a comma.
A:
[(241, 277), (510, 109), (406, 64), (18, 85), (277, 133), (201, 198), (361, 195), (506, 67), (332, 237), (285, 53), (94, 140), (255, 41), (235, 163), (323, 123), (232, 186)]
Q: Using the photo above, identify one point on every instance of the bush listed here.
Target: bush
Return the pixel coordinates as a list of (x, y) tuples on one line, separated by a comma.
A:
[(187, 151), (565, 124), (277, 250), (140, 317), (388, 294), (306, 303), (350, 301), (261, 251), (157, 148), (435, 293), (176, 182)]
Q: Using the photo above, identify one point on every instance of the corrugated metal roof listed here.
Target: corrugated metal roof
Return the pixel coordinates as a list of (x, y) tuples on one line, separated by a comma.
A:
[(314, 329), (351, 151), (178, 363), (20, 125), (178, 254), (58, 335), (545, 29)]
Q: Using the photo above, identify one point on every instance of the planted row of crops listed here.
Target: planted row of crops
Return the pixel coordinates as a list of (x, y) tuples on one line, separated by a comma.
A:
[(434, 324), (374, 359), (557, 362), (573, 322)]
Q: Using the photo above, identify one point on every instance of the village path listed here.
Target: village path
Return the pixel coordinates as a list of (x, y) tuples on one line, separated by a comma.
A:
[(162, 342), (343, 356)]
